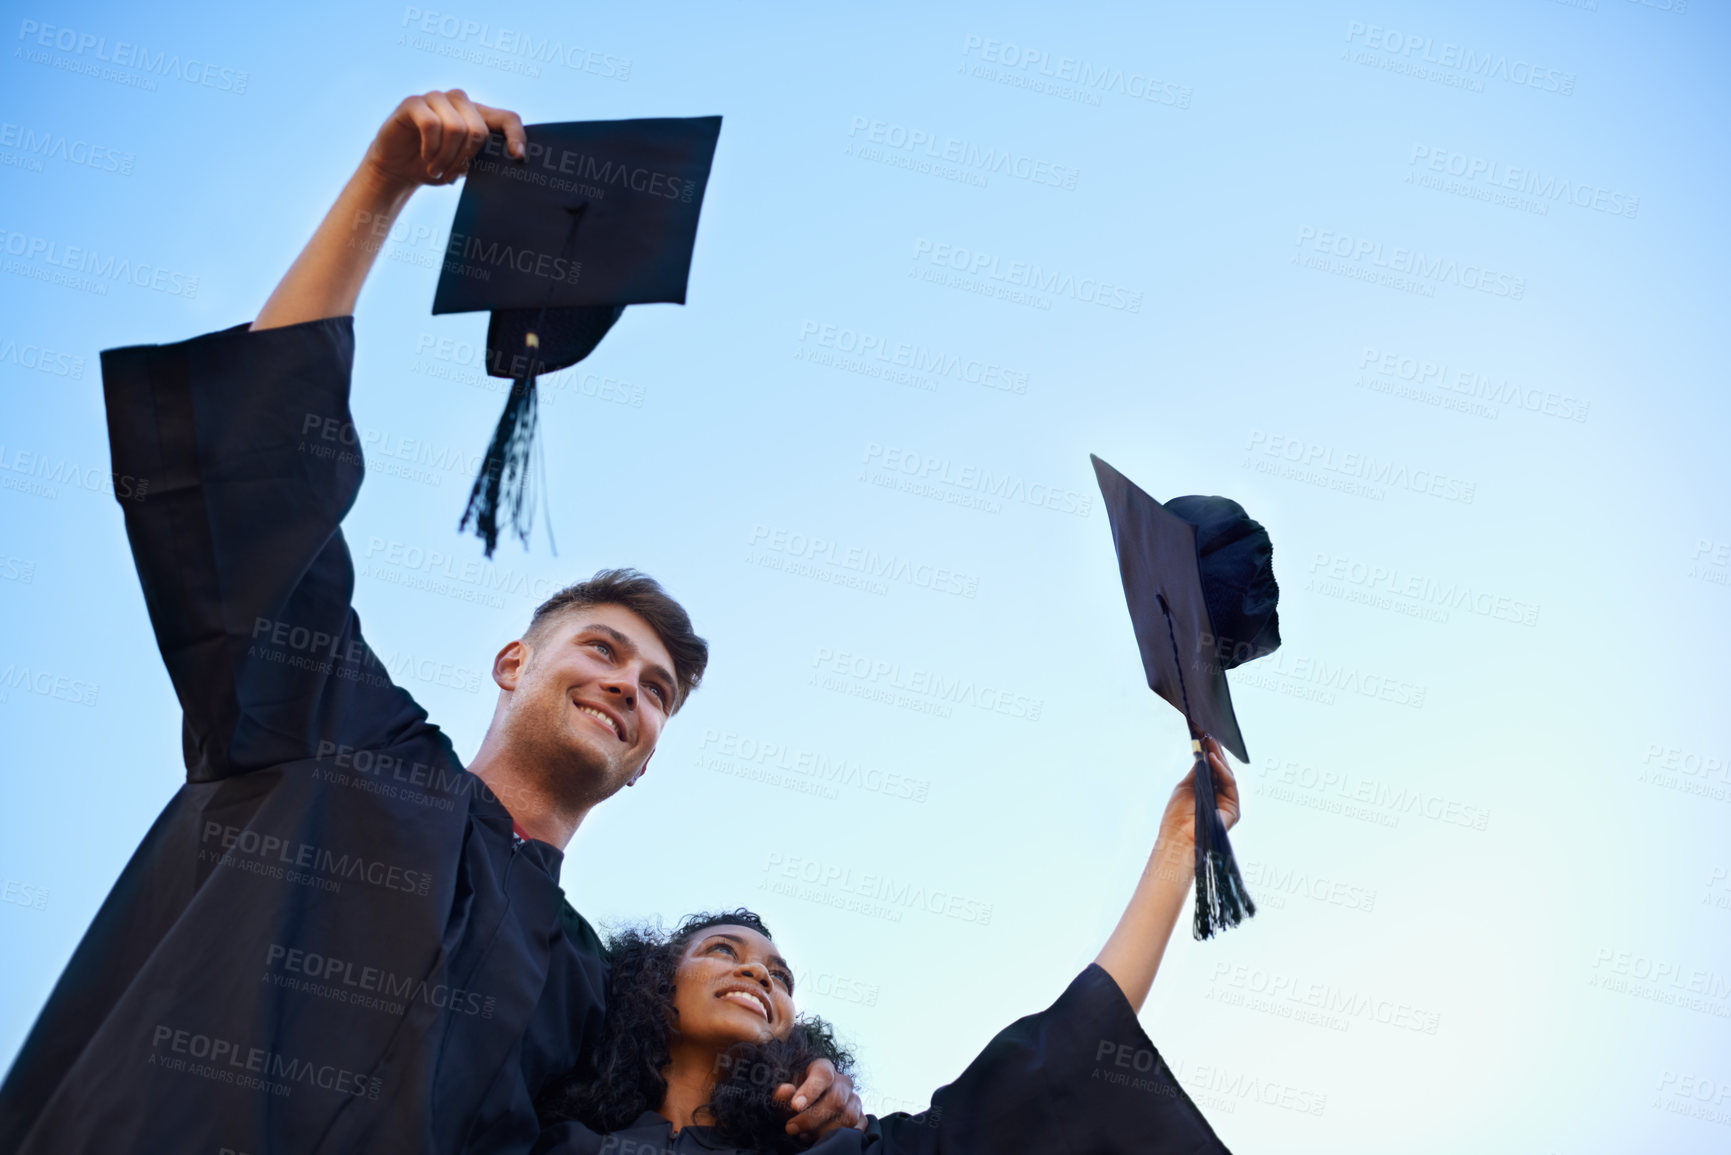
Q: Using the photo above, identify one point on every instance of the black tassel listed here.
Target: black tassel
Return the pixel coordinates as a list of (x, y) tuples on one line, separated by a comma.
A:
[(504, 482), (1221, 900)]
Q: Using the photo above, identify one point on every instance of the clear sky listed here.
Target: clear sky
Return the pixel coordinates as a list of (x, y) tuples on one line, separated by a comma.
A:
[(1437, 291)]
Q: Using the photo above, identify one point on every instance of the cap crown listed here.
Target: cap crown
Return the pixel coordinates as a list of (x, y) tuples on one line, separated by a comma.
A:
[(1181, 574)]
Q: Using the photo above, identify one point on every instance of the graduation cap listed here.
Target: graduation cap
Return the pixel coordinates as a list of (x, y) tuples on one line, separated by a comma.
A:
[(1199, 581), (597, 216)]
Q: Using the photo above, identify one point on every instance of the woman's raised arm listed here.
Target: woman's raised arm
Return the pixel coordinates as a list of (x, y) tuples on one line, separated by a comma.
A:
[(1132, 955)]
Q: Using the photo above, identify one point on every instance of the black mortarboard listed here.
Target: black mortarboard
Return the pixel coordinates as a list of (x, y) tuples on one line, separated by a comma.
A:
[(597, 216), (1199, 580)]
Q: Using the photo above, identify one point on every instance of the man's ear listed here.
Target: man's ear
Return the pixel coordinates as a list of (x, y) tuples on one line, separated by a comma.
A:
[(641, 771), (509, 664)]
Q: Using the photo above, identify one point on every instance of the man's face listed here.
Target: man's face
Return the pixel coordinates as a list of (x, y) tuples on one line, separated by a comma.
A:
[(590, 692)]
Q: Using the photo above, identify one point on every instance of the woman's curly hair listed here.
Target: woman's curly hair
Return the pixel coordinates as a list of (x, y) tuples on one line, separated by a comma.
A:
[(625, 1073)]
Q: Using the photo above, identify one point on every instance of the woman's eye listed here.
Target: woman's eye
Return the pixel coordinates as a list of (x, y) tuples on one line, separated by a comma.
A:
[(724, 946), (786, 980)]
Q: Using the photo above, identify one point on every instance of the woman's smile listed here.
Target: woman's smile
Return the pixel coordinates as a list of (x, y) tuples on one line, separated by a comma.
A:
[(745, 996)]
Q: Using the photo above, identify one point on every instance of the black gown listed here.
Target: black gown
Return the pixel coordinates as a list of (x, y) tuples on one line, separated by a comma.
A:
[(330, 940), (1079, 1078)]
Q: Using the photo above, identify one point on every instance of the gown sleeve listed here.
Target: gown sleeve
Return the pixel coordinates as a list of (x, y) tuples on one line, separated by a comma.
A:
[(235, 459), (1080, 1077)]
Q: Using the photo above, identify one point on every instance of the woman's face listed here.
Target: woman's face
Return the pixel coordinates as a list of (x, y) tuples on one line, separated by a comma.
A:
[(732, 987)]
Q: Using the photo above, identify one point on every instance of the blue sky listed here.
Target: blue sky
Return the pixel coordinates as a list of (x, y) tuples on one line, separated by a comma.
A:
[(1435, 291)]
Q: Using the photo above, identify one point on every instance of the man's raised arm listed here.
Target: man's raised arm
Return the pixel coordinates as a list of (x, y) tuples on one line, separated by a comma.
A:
[(428, 140), (239, 443)]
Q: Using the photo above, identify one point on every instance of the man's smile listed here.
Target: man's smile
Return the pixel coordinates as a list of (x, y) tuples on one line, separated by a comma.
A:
[(605, 717)]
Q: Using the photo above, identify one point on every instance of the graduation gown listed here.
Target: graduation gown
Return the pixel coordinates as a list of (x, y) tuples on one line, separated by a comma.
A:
[(1079, 1078), (330, 940)]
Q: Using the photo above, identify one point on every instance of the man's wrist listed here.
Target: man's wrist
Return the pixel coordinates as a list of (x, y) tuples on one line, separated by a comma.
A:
[(379, 191)]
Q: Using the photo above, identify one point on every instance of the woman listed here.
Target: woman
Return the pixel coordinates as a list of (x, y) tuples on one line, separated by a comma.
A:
[(701, 1028)]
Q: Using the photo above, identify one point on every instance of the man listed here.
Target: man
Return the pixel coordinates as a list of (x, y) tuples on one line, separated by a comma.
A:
[(335, 937)]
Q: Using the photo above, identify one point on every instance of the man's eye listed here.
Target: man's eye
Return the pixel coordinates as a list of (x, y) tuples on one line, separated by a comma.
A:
[(604, 648), (660, 694)]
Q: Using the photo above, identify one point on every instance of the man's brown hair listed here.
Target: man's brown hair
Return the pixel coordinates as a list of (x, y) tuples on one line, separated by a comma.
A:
[(643, 596)]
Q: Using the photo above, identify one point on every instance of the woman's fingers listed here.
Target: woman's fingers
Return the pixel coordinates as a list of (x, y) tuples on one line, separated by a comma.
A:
[(1225, 784), (505, 121)]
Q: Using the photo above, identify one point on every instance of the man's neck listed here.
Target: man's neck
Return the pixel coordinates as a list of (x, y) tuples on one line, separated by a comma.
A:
[(534, 808)]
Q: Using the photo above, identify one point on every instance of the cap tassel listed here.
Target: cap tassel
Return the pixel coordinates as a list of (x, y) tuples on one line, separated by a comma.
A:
[(504, 478), (1221, 900), (503, 483)]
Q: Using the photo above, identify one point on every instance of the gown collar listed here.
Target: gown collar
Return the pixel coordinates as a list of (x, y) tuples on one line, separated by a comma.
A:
[(492, 812), (651, 1124)]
